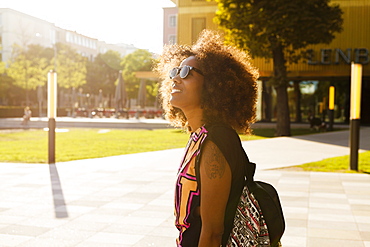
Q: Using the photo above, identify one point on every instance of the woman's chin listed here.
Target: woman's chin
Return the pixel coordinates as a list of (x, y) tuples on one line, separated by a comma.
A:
[(174, 102)]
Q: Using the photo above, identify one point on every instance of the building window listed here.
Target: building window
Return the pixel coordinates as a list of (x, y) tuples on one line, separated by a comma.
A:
[(198, 25), (53, 37), (68, 37), (172, 20), (172, 39), (103, 50)]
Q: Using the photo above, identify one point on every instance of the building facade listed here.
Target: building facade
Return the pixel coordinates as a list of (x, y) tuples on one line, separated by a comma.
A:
[(22, 29), (328, 64), (169, 25)]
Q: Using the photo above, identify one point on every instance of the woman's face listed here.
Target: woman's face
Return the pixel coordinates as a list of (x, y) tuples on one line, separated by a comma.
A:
[(186, 92)]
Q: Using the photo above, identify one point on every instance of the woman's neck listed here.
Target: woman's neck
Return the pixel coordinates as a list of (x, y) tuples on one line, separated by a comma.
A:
[(195, 119)]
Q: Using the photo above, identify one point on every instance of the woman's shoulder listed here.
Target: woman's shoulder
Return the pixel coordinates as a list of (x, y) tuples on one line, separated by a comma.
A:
[(222, 134), (220, 129), (228, 142)]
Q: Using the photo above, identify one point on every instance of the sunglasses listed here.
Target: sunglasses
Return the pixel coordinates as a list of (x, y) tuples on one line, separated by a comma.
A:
[(183, 71)]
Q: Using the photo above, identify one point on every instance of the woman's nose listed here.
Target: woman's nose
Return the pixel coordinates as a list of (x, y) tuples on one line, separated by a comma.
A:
[(176, 79)]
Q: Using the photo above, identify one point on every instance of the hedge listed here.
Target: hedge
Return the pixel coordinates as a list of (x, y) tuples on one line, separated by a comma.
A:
[(17, 111)]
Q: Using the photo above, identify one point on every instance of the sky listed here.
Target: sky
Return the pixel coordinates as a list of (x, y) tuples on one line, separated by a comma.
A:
[(137, 22)]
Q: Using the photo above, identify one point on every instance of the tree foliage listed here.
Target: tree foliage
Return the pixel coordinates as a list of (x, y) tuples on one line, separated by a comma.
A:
[(139, 60), (4, 86), (279, 30), (103, 72), (2, 67), (70, 67), (261, 25), (28, 67)]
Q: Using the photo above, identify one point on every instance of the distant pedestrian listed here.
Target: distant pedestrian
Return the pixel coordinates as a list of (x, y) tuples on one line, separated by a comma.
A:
[(315, 122), (210, 89), (26, 116)]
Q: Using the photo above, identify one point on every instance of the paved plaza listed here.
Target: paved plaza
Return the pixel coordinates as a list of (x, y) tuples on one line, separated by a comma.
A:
[(127, 200)]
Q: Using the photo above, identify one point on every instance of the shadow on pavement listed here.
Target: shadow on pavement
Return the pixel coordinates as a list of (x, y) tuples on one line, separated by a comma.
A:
[(339, 138), (60, 207)]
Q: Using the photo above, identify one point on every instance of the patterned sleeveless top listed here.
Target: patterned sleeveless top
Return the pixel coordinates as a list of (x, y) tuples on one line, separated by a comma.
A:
[(187, 191), (188, 184)]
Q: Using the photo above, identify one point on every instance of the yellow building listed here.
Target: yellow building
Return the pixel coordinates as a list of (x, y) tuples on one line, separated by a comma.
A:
[(327, 64)]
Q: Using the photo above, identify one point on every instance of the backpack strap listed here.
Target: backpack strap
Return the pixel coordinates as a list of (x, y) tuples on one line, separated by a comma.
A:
[(249, 169), (197, 170)]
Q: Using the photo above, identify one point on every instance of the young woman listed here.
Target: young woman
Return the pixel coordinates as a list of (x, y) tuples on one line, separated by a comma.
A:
[(210, 90)]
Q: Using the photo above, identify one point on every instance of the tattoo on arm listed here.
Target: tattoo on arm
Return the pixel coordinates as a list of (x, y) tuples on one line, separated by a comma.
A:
[(214, 163)]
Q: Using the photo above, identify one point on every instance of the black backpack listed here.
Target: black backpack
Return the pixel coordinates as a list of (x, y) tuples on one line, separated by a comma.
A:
[(268, 200)]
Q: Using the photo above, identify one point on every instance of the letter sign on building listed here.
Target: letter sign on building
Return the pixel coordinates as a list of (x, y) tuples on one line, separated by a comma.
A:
[(360, 55)]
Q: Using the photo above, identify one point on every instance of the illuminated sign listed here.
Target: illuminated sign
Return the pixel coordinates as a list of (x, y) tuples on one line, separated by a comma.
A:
[(337, 56)]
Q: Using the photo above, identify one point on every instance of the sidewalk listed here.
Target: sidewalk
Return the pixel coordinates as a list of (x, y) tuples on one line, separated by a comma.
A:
[(83, 122), (128, 200), (133, 123)]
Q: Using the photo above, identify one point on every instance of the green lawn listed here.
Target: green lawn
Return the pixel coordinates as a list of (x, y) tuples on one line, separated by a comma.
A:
[(339, 164), (31, 146)]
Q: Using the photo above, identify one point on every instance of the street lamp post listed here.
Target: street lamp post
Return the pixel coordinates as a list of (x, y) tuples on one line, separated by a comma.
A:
[(331, 106), (52, 113), (356, 80)]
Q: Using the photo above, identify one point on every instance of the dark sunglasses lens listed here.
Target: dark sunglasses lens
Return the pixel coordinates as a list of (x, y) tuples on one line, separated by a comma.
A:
[(173, 73), (184, 72)]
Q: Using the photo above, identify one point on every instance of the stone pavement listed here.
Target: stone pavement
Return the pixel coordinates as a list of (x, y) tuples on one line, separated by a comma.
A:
[(128, 200)]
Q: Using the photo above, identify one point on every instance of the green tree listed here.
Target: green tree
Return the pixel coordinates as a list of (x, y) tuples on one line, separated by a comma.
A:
[(2, 67), (139, 60), (279, 29), (70, 67), (103, 72), (3, 85), (28, 68)]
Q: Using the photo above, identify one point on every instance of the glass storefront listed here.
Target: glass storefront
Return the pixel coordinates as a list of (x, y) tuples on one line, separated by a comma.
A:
[(311, 98)]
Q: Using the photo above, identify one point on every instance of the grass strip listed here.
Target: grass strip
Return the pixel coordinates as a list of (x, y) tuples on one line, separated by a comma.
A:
[(339, 164), (31, 146)]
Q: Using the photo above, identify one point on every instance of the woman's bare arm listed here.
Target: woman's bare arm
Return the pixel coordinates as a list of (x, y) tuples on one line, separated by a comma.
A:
[(215, 176)]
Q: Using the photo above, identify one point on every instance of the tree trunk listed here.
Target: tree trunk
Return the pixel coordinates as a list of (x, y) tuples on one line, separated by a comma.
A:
[(282, 107), (26, 79), (280, 83), (298, 96), (267, 102)]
